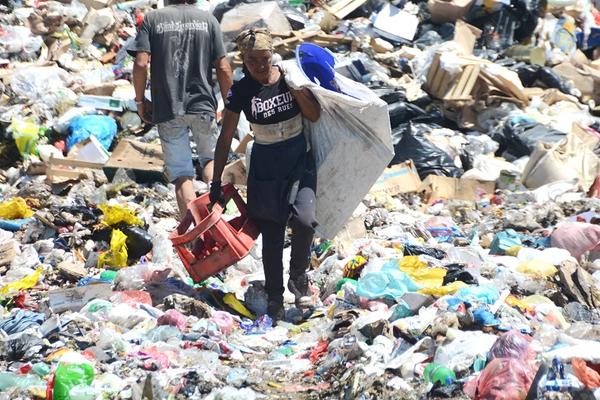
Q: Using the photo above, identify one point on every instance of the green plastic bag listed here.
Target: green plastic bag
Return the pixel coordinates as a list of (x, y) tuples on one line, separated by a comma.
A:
[(26, 134), (67, 376)]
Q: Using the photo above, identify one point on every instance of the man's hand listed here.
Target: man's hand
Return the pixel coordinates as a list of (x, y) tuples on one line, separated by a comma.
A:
[(144, 110)]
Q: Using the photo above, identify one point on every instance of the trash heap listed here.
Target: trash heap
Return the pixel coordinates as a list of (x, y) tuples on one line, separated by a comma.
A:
[(471, 270)]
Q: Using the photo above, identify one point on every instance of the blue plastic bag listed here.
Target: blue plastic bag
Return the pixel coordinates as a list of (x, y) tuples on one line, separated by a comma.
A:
[(103, 127), (504, 241), (389, 283), (487, 294)]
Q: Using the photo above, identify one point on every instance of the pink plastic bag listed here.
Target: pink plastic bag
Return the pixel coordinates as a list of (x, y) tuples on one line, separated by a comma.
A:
[(224, 321), (131, 297), (512, 344), (173, 318), (502, 379), (576, 237)]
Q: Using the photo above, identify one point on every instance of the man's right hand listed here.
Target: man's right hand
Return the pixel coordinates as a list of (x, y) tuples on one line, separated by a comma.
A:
[(142, 110)]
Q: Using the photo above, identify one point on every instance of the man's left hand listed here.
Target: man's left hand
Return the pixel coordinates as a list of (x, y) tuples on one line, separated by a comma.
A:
[(144, 110)]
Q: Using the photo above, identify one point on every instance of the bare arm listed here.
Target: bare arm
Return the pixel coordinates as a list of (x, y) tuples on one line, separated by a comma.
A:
[(230, 122), (224, 75), (140, 75), (309, 106)]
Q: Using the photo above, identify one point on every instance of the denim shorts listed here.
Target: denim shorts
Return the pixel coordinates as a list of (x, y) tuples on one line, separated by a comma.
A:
[(175, 140)]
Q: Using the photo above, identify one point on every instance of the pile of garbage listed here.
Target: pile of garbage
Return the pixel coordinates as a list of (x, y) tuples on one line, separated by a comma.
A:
[(470, 270)]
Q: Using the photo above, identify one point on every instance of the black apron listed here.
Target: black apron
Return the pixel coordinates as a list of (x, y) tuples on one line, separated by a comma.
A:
[(274, 169)]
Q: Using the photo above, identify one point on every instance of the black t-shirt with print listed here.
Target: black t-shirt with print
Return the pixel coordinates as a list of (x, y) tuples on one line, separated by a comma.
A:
[(262, 104)]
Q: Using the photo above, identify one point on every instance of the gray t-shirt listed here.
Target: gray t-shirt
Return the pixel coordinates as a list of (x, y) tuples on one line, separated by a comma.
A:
[(184, 42)]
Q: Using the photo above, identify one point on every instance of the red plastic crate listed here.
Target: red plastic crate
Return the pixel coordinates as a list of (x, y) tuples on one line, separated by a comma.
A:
[(206, 243)]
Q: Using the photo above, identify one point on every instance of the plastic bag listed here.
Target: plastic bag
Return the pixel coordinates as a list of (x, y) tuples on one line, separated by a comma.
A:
[(504, 241), (502, 379), (138, 276), (576, 237), (36, 82), (114, 215), (25, 133), (15, 208), (512, 344), (389, 283), (487, 294), (460, 353), (521, 135), (103, 127), (351, 141), (428, 158), (538, 268), (26, 283), (67, 376), (568, 159), (139, 242), (117, 255), (420, 274), (587, 375)]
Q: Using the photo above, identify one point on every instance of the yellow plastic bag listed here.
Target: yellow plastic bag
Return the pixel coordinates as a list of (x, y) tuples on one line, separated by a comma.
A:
[(26, 134), (538, 268), (26, 283), (15, 208), (235, 304), (116, 214), (450, 288), (417, 270), (117, 255)]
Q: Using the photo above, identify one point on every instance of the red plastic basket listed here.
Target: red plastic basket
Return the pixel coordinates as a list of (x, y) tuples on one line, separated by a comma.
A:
[(206, 243)]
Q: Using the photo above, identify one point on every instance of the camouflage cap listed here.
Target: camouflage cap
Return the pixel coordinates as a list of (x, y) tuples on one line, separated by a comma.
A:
[(254, 39)]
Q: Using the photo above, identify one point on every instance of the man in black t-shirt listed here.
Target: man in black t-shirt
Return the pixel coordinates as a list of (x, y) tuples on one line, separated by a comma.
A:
[(184, 44)]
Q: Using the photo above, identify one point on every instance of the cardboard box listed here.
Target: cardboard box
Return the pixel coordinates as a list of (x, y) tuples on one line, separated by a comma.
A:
[(445, 188), (90, 150), (445, 86), (145, 160), (401, 178), (342, 8), (235, 173), (65, 169), (448, 10), (395, 24)]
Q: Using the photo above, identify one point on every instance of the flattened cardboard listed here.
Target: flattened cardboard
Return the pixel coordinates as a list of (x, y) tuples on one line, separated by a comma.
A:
[(445, 188), (448, 10), (143, 159), (75, 298), (400, 178)]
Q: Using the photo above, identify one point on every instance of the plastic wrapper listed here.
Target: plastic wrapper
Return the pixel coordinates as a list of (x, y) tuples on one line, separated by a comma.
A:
[(15, 208), (117, 255), (502, 379), (132, 297), (428, 158)]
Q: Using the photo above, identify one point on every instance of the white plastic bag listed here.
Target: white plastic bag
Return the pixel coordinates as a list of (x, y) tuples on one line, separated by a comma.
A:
[(351, 143)]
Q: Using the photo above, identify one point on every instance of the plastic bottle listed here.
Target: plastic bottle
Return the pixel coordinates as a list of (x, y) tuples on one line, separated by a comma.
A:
[(67, 376), (436, 373)]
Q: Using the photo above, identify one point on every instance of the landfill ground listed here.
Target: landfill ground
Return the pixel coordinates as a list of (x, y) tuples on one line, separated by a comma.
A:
[(459, 257)]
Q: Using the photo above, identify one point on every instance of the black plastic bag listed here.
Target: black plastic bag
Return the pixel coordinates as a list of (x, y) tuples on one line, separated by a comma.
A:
[(428, 158), (535, 75), (139, 242), (401, 112), (519, 138), (411, 250)]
